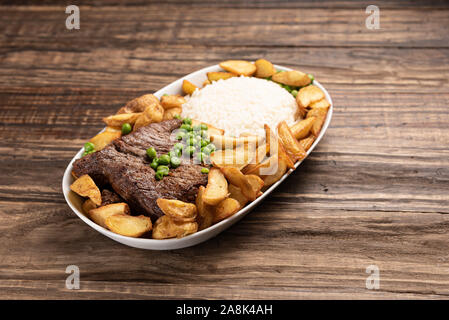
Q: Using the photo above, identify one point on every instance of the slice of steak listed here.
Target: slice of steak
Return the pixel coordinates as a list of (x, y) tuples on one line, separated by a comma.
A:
[(125, 167), (109, 197)]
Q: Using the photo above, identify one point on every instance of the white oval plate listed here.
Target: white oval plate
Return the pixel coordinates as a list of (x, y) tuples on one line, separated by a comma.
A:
[(75, 202)]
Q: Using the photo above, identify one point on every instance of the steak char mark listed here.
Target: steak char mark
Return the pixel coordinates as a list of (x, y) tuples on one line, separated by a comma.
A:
[(124, 166)]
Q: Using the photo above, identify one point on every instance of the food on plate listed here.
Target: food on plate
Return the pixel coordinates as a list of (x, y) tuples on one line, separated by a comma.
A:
[(188, 87), (172, 101), (294, 150), (167, 168), (130, 226), (264, 68), (225, 209), (104, 138), (86, 187), (139, 104), (166, 228), (118, 120), (99, 215), (215, 76), (216, 189), (249, 184), (239, 67), (178, 211), (205, 215), (302, 128), (292, 78)]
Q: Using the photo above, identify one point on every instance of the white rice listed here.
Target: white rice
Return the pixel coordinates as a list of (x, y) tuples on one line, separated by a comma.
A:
[(241, 105)]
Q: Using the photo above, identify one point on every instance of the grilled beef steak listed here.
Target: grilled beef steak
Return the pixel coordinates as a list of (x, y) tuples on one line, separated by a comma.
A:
[(124, 166)]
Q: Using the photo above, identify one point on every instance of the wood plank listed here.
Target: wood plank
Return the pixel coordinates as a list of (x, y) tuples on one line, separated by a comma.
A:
[(172, 25)]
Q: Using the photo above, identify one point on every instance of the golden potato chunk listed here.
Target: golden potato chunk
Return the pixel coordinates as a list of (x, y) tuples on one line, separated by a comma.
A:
[(166, 228), (99, 215), (172, 101), (171, 113), (239, 67), (237, 194), (249, 184), (216, 189), (238, 157), (86, 187), (117, 120), (88, 205), (188, 87), (320, 115), (152, 113), (323, 103), (280, 166), (104, 138), (129, 226), (225, 142), (264, 68), (294, 150), (139, 104), (205, 215), (219, 75), (308, 95), (306, 143), (225, 209), (178, 211), (291, 78), (302, 128)]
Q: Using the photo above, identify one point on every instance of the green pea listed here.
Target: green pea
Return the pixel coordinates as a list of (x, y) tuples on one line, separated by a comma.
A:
[(204, 143), (165, 94), (178, 146), (159, 175), (201, 156), (204, 170), (197, 128), (154, 164), (294, 93), (89, 146), (164, 169), (164, 159), (190, 150), (204, 126), (186, 127), (180, 135), (192, 142), (311, 77), (177, 116), (175, 162), (288, 88), (278, 71), (126, 128), (151, 152), (187, 121), (212, 147)]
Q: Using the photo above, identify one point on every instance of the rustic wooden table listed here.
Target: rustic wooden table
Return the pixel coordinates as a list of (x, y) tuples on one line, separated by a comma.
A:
[(374, 192)]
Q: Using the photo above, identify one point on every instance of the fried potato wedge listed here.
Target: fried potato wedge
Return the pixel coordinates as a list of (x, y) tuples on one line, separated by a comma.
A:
[(206, 82), (152, 113), (306, 143), (171, 113), (320, 115), (308, 95), (238, 157), (172, 101), (216, 189), (225, 142), (117, 120), (188, 87), (211, 129), (237, 194), (239, 67), (291, 78), (99, 215), (104, 138), (280, 165), (225, 209), (130, 226), (259, 156), (86, 187), (249, 184), (205, 215), (302, 128), (323, 103), (139, 104), (294, 150), (219, 75), (166, 228), (179, 211), (264, 68), (111, 129), (88, 205)]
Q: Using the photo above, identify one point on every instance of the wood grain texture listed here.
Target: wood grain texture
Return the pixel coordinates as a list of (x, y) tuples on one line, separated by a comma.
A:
[(375, 190)]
